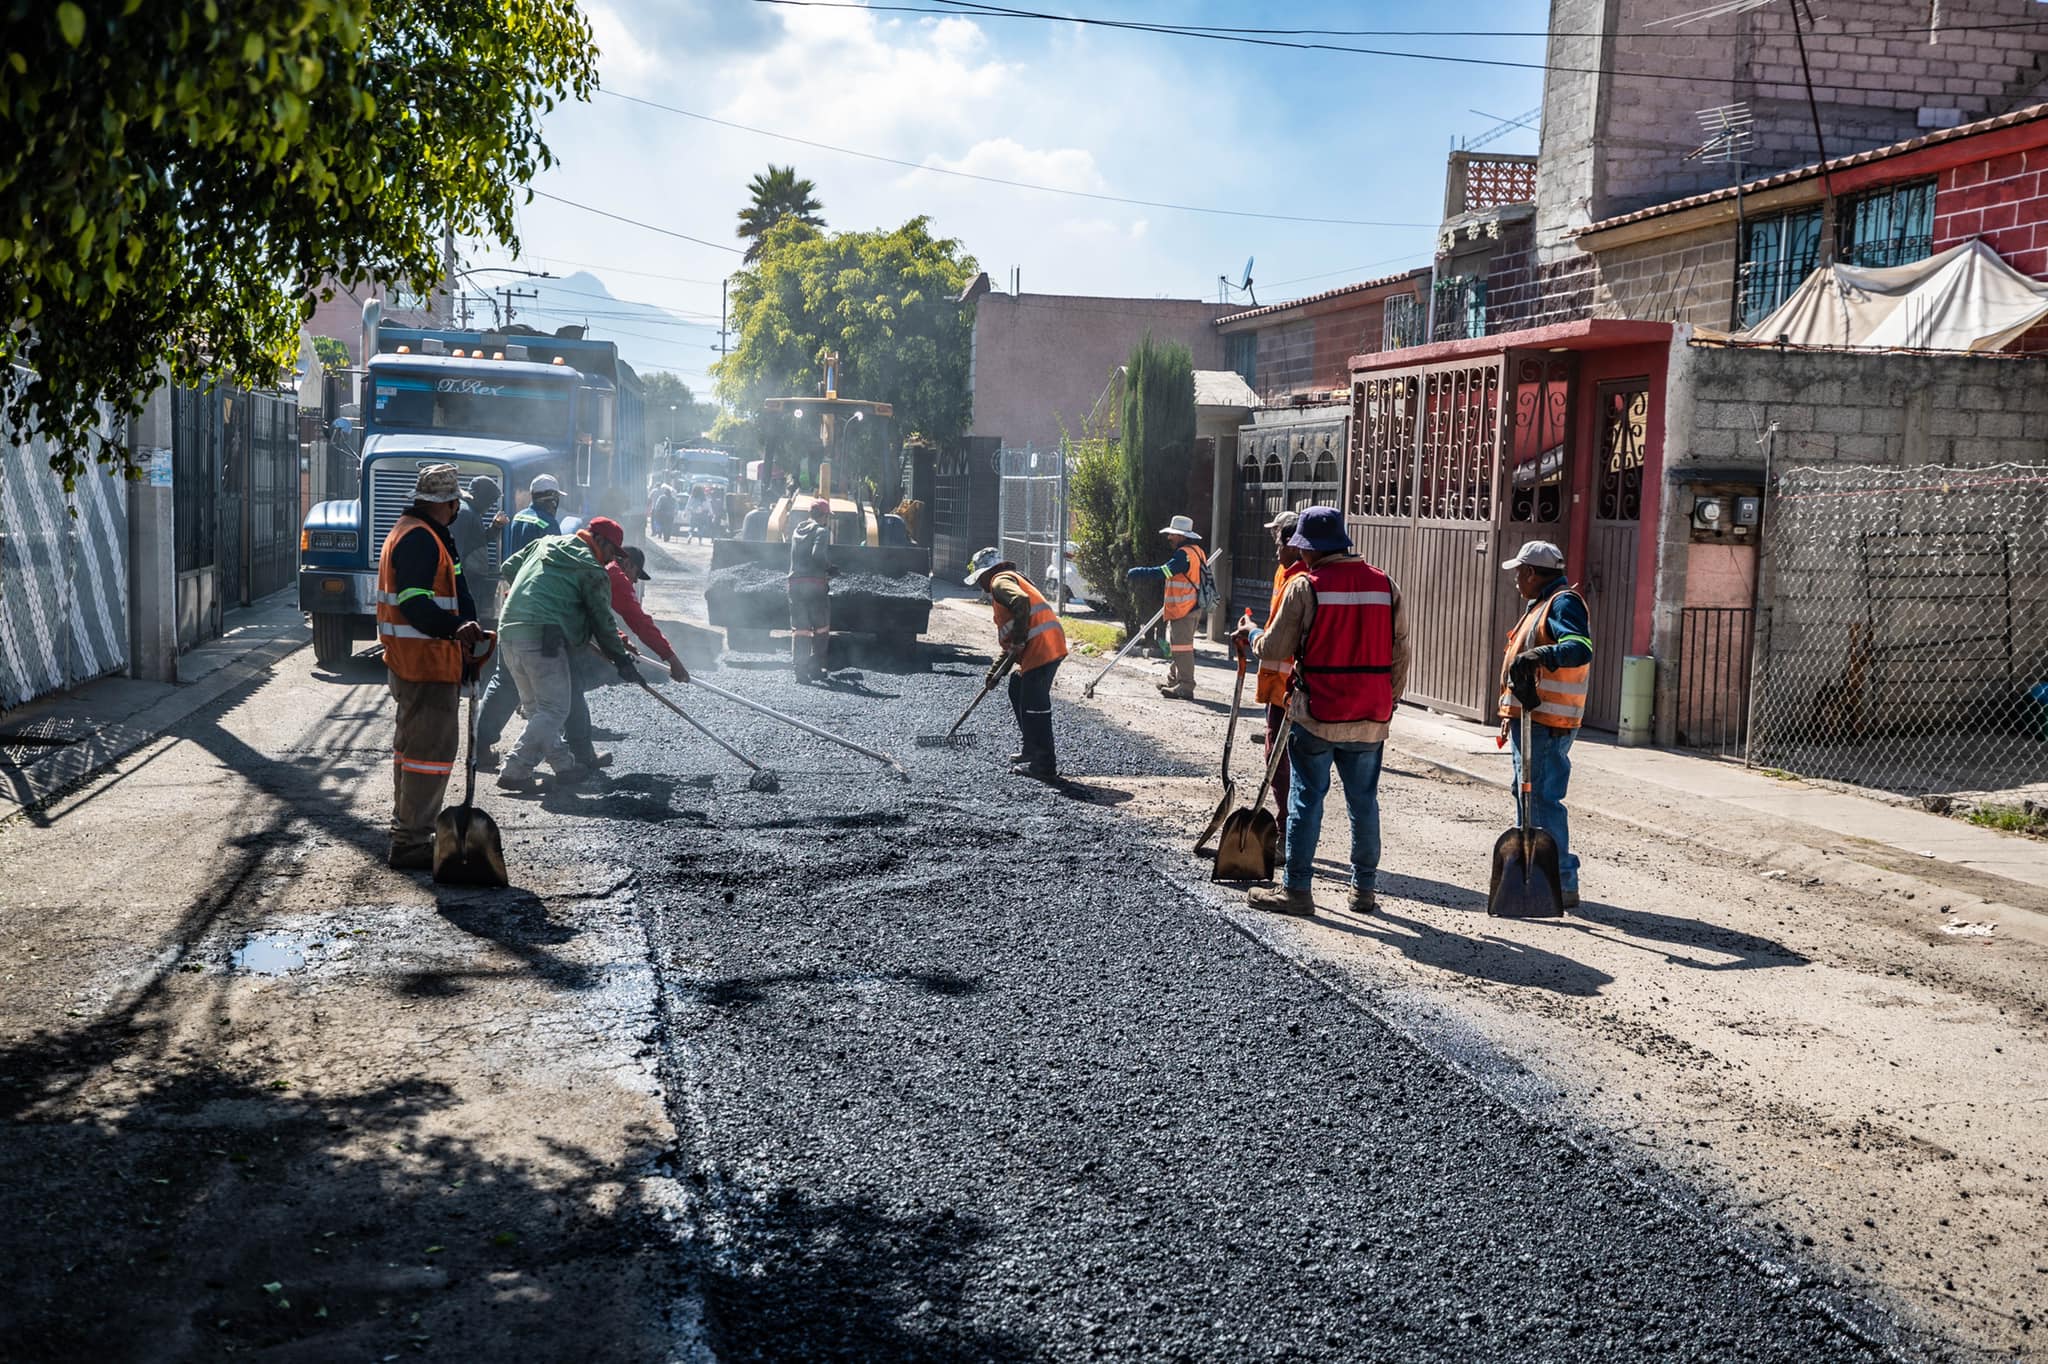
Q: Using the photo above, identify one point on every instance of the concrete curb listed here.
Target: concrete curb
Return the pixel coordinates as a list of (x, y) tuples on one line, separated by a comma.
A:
[(63, 771)]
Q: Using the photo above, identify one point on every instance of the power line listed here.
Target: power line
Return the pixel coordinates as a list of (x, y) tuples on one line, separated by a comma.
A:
[(969, 9), (985, 179), (634, 222), (616, 270)]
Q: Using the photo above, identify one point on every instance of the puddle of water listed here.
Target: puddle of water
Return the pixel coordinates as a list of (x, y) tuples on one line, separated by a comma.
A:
[(275, 954)]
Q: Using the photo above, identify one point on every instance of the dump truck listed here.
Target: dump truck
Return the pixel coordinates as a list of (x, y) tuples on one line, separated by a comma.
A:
[(882, 587)]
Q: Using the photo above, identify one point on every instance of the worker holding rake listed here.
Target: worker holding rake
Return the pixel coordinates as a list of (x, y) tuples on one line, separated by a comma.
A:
[(1028, 630)]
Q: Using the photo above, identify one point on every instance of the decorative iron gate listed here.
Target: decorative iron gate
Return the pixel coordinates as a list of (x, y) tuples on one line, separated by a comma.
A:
[(1609, 579), (1287, 465)]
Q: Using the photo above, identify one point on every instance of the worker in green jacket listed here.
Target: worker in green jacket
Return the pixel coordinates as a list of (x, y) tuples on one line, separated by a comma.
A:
[(561, 601)]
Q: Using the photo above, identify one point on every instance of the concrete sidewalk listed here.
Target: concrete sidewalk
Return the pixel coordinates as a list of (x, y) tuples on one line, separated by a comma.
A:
[(1626, 783), (87, 729)]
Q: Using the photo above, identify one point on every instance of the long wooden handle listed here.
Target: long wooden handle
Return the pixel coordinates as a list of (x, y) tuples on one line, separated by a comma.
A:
[(1129, 644), (694, 723), (806, 727)]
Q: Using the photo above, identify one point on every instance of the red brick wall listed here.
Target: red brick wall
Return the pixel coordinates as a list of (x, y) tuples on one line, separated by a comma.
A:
[(2005, 201)]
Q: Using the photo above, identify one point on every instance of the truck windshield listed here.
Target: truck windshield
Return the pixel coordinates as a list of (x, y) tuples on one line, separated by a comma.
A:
[(477, 405)]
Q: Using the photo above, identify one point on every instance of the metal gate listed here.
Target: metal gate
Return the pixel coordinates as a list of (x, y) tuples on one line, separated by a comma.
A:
[(1031, 515), (1280, 467), (1425, 452), (195, 492), (1609, 580), (63, 576), (270, 494)]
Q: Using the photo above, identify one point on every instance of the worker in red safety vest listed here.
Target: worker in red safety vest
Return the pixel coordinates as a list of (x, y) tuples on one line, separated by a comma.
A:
[(427, 625), (1274, 677), (1183, 576), (1549, 660), (1342, 624), (1028, 626)]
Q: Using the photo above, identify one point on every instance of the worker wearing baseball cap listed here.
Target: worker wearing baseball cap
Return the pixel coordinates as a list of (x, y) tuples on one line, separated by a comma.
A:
[(561, 600), (427, 625), (627, 572), (1547, 667), (1273, 676), (540, 516), (810, 592)]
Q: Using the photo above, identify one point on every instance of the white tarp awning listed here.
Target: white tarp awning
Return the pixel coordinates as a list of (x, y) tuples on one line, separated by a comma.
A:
[(1966, 298)]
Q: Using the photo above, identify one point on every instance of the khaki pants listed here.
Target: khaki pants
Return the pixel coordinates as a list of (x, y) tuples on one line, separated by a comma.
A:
[(423, 755), (1180, 638), (810, 627), (547, 691)]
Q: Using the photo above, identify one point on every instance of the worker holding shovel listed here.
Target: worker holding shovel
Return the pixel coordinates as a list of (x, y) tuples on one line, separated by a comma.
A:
[(1028, 629), (1550, 655), (1341, 624), (1274, 676)]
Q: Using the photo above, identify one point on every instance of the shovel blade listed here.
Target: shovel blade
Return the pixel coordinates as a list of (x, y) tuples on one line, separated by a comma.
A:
[(1247, 847), (467, 850), (1222, 812), (1525, 882)]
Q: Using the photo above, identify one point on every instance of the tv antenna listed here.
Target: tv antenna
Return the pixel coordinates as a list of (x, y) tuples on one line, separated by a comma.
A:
[(1730, 131), (1502, 127), (1224, 288)]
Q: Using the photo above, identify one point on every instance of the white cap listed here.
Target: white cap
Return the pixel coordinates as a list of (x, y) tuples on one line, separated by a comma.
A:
[(1537, 554), (545, 483)]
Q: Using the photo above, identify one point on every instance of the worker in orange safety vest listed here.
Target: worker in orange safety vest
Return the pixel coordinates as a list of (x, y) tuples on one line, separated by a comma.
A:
[(1549, 662), (1029, 627), (1274, 676), (1183, 576), (428, 627)]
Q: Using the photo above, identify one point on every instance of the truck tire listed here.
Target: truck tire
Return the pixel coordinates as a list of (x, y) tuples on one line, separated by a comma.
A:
[(331, 643)]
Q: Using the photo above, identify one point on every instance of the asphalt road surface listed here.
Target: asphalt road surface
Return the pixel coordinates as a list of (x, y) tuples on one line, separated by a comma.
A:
[(968, 1068)]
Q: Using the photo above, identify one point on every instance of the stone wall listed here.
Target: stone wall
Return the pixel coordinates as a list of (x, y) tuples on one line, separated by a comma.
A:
[(1688, 277)]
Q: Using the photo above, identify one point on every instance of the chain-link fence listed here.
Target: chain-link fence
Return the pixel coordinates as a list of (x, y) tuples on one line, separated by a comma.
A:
[(1032, 515), (1907, 647)]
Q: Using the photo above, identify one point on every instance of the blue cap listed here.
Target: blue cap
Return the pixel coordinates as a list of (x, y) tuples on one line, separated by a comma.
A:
[(1321, 531)]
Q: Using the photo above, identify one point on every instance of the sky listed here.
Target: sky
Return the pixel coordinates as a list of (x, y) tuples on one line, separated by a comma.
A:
[(1220, 125)]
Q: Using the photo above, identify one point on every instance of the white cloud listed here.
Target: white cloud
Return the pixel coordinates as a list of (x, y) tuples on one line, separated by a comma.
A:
[(1003, 158)]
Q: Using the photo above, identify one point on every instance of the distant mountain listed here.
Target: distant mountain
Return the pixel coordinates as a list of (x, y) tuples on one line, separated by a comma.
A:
[(647, 336)]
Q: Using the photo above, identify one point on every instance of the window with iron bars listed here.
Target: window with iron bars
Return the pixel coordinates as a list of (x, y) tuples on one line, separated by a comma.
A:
[(1891, 226), (1401, 322), (1241, 353), (1778, 253), (1460, 308)]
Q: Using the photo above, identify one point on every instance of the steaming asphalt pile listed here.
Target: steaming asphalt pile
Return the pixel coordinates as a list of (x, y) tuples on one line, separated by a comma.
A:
[(873, 601), (963, 1071)]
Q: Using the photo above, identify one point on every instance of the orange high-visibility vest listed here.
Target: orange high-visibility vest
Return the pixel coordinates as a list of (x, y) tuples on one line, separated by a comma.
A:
[(1273, 676), (415, 656), (1560, 692), (1181, 587), (1045, 641)]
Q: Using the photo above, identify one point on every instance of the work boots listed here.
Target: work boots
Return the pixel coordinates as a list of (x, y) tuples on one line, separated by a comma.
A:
[(1282, 900)]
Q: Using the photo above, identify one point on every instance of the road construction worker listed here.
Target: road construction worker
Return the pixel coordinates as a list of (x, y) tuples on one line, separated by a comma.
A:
[(539, 517), (810, 603), (1547, 665), (476, 525), (1027, 626), (1273, 677), (626, 573), (1183, 575), (427, 625), (1342, 626), (561, 600)]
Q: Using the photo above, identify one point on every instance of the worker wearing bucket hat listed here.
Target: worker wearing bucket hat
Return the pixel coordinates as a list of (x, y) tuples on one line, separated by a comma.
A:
[(1183, 574), (810, 592)]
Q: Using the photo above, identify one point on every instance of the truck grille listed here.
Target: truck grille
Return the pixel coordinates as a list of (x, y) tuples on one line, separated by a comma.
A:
[(391, 485)]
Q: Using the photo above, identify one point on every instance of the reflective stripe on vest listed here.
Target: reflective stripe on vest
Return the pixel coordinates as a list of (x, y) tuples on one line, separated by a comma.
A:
[(1045, 641), (409, 652), (1273, 677), (1181, 588), (1347, 660), (1560, 692)]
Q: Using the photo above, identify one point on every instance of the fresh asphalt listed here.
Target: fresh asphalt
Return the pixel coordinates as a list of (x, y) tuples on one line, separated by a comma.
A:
[(966, 1068)]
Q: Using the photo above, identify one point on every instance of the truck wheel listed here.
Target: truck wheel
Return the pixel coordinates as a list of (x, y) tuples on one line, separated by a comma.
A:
[(331, 644)]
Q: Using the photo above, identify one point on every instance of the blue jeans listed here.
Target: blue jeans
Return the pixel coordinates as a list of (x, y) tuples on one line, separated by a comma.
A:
[(1549, 775), (1358, 767)]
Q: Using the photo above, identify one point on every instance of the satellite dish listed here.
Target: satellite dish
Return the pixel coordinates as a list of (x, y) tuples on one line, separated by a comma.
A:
[(1247, 283)]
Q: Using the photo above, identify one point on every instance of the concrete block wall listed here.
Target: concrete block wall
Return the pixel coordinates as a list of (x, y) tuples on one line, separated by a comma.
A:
[(1688, 277), (1287, 359)]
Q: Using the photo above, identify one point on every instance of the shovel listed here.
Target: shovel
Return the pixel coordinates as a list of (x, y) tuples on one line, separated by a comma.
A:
[(1250, 841), (467, 850), (1525, 881), (761, 780), (953, 738), (1215, 823), (1088, 688), (808, 728)]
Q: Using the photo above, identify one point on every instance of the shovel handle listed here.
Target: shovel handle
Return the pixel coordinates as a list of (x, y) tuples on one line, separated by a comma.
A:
[(1088, 688), (694, 723), (806, 727)]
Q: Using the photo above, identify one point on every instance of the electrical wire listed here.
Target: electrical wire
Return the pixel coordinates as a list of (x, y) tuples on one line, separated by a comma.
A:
[(988, 179), (633, 222)]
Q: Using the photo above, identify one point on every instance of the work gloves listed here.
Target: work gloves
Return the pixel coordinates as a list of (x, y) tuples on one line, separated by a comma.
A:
[(677, 672), (1522, 676), (627, 672)]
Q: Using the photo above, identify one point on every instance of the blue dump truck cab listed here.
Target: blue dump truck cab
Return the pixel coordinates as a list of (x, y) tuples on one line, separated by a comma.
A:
[(509, 405)]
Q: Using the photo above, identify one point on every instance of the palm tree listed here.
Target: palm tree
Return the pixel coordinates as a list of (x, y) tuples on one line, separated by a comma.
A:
[(778, 197)]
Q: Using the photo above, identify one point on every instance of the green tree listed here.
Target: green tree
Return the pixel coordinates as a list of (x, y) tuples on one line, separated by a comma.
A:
[(673, 412), (778, 197), (1102, 523), (175, 179), (332, 351), (1158, 439), (884, 301)]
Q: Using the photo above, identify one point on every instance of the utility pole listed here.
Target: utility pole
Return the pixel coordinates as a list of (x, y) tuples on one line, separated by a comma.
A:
[(721, 316), (511, 297)]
